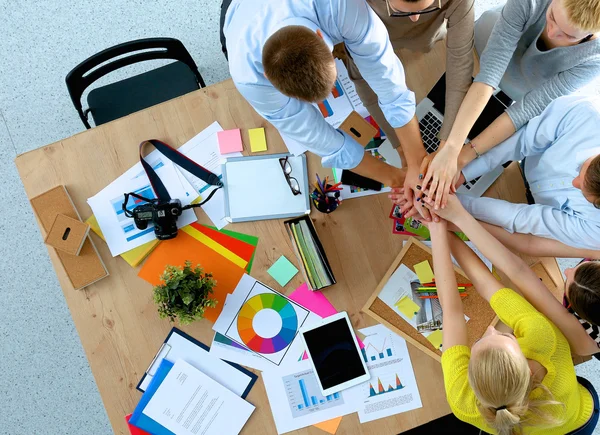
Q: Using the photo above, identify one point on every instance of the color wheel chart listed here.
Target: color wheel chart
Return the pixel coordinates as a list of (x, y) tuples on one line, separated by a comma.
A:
[(267, 323), (250, 336)]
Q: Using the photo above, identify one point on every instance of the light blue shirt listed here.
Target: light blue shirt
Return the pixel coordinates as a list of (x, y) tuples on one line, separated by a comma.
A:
[(248, 25), (556, 144)]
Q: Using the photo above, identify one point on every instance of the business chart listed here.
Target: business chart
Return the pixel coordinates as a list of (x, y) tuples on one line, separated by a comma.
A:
[(304, 396)]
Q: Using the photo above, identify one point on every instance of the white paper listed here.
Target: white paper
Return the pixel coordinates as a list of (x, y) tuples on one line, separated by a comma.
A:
[(471, 245), (190, 403), (266, 324), (120, 231), (291, 390), (350, 89), (294, 147), (204, 150), (178, 347), (236, 353), (389, 364), (399, 286)]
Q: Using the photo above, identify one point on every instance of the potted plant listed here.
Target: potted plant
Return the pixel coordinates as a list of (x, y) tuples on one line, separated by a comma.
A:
[(184, 293)]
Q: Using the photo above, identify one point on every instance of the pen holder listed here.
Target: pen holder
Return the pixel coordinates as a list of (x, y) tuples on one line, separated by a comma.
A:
[(326, 203)]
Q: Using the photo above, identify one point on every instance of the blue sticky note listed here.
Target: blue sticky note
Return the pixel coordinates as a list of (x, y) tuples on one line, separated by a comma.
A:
[(282, 271)]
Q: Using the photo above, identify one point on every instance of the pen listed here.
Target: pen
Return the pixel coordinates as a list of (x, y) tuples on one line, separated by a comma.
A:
[(462, 295)]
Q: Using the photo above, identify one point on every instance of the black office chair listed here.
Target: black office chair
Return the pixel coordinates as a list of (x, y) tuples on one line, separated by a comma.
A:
[(113, 101)]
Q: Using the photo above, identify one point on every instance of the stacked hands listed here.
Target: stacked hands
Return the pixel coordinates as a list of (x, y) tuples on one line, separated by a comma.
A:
[(427, 192)]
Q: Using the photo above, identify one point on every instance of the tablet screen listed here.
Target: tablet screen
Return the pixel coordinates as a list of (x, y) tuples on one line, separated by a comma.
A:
[(334, 353)]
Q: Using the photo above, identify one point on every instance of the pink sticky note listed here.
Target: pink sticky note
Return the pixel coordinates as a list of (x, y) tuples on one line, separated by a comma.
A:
[(230, 141), (317, 303)]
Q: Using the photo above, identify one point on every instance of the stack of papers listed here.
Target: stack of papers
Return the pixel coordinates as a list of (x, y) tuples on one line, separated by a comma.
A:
[(120, 232), (225, 254), (310, 255)]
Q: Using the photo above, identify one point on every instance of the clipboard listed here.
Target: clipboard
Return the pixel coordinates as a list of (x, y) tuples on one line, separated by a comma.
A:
[(256, 188), (174, 345)]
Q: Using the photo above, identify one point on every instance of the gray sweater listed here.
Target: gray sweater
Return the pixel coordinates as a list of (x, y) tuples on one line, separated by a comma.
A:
[(537, 77)]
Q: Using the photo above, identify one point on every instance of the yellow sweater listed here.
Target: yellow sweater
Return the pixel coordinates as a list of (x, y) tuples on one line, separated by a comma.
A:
[(540, 341)]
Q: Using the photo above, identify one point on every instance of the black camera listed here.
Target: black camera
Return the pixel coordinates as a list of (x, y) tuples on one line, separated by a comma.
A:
[(163, 214)]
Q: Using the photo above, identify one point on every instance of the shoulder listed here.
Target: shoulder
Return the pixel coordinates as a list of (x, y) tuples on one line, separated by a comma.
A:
[(530, 10), (576, 110)]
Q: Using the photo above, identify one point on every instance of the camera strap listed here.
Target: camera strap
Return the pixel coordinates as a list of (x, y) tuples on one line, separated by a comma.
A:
[(181, 160)]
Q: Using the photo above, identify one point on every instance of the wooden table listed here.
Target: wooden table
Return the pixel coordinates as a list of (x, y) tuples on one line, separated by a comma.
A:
[(116, 319)]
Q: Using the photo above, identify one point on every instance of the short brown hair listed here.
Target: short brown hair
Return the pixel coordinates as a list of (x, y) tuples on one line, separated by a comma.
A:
[(585, 14), (299, 63), (584, 292), (591, 181)]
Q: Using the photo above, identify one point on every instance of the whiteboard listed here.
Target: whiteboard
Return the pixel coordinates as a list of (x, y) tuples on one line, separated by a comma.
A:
[(256, 188)]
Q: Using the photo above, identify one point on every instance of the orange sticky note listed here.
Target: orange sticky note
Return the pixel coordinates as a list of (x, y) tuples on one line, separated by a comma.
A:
[(175, 252), (230, 141), (258, 141), (329, 426)]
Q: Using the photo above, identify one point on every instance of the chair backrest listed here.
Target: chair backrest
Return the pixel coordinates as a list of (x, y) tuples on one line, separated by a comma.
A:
[(84, 74)]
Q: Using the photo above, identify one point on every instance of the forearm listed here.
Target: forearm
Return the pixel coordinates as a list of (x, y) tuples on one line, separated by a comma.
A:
[(489, 246), (476, 270), (470, 109), (536, 246), (374, 168), (410, 140), (498, 131)]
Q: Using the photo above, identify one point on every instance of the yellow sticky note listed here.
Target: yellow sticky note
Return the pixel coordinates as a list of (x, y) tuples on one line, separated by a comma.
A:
[(407, 307), (424, 272), (329, 426), (258, 141), (436, 338)]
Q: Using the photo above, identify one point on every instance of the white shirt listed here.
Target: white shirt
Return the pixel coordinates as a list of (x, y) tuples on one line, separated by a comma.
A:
[(556, 144), (248, 25)]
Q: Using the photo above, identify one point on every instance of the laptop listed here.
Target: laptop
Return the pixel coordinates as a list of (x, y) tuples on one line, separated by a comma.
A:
[(430, 113)]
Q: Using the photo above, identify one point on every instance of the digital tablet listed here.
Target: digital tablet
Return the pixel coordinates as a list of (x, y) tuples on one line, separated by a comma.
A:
[(334, 354)]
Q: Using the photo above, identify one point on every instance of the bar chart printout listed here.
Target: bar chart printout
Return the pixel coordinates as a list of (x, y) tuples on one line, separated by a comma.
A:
[(304, 395), (376, 351)]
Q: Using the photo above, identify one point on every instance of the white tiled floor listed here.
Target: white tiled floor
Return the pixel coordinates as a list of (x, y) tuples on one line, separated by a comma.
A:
[(46, 386)]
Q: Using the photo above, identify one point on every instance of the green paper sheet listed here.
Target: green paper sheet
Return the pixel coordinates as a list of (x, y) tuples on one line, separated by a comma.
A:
[(282, 271)]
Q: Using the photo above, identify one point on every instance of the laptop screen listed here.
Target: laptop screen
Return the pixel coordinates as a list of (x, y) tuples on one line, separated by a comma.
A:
[(493, 109)]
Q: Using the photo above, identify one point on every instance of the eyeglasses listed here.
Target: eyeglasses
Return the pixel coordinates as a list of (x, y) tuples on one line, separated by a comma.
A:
[(394, 13), (286, 167)]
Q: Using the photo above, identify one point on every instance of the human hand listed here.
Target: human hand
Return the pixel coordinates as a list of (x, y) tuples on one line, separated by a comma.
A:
[(453, 210), (412, 187), (441, 173)]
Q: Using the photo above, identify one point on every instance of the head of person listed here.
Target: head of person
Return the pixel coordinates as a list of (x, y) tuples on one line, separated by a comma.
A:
[(588, 180), (570, 21), (502, 381), (298, 62), (411, 8), (582, 289)]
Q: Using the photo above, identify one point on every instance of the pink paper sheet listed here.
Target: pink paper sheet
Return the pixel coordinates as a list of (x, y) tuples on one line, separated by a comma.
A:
[(317, 303)]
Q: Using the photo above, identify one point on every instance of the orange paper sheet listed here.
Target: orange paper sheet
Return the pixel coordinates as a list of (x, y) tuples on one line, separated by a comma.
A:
[(329, 426), (184, 247)]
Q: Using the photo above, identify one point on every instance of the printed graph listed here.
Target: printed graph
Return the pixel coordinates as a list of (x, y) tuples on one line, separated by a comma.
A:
[(325, 107), (372, 353), (304, 395), (376, 390)]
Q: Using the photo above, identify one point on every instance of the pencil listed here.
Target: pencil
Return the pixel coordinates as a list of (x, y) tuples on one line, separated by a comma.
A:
[(462, 295), (429, 289)]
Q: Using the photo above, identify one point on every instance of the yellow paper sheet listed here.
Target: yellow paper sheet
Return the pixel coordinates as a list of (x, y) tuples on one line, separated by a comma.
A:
[(258, 141), (436, 338), (424, 272), (133, 257), (329, 426), (407, 307), (218, 248)]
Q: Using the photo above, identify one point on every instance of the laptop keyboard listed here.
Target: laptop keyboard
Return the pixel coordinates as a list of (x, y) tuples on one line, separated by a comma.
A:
[(430, 127)]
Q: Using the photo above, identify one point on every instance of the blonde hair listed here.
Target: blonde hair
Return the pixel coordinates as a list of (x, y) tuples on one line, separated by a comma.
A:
[(299, 64), (502, 383), (585, 14)]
